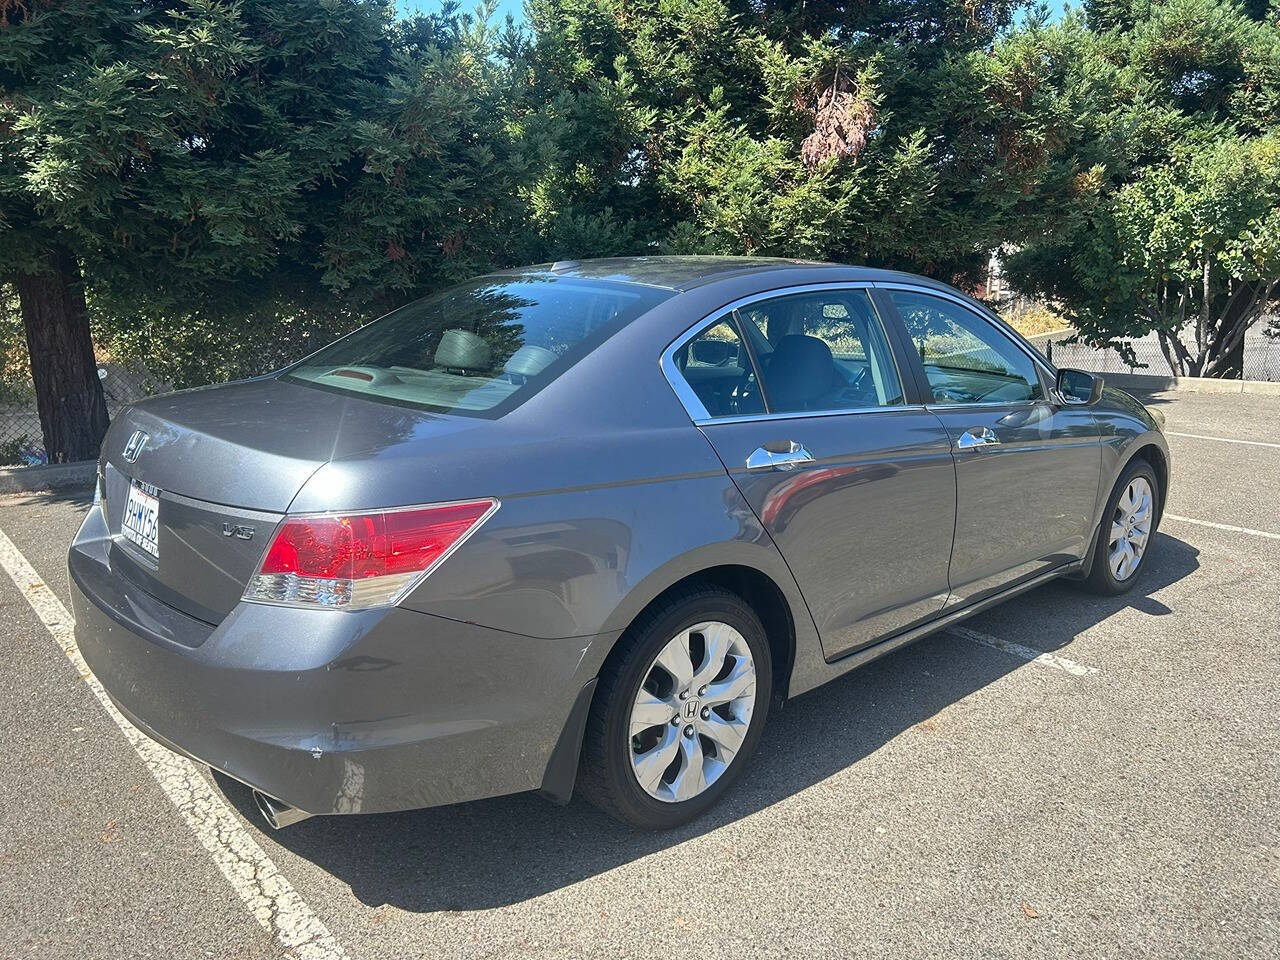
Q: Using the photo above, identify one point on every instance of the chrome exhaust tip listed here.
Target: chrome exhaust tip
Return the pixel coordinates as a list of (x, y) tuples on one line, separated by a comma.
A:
[(277, 814)]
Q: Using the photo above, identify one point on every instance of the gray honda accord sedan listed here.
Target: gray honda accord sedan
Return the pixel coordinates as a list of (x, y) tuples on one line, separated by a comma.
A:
[(580, 525)]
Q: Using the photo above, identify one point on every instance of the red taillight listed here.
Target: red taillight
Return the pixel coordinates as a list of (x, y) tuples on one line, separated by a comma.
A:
[(362, 559)]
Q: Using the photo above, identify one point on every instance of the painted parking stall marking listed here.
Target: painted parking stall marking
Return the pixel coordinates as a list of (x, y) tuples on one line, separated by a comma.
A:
[(1226, 527), (1026, 653), (1229, 528), (1202, 436), (272, 900)]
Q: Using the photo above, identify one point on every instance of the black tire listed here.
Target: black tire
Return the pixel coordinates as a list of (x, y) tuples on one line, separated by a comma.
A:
[(606, 776), (1101, 579)]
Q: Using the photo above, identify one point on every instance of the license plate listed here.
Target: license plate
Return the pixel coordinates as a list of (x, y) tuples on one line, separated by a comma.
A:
[(140, 523)]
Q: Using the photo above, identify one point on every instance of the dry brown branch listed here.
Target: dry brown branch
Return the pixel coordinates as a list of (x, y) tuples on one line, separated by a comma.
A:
[(841, 126)]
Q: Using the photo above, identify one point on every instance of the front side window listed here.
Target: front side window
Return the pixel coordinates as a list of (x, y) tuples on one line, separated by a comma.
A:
[(480, 348), (822, 351), (966, 358)]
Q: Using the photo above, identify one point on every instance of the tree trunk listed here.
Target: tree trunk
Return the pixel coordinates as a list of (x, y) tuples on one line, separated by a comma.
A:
[(1232, 363), (1226, 355), (73, 411)]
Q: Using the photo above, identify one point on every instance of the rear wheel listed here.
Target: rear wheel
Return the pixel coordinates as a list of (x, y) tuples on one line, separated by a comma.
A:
[(678, 711), (1127, 528)]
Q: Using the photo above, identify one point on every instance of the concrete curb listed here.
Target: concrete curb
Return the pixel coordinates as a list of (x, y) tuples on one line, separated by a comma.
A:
[(1143, 381), (47, 477)]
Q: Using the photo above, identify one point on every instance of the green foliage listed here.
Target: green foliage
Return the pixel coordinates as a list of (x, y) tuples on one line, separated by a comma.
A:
[(186, 351), (1160, 213), (178, 140), (213, 152), (15, 380), (900, 134), (241, 180), (15, 450)]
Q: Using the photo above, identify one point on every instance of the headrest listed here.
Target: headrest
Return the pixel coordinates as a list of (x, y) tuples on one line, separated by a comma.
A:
[(800, 371), (462, 350), (529, 360)]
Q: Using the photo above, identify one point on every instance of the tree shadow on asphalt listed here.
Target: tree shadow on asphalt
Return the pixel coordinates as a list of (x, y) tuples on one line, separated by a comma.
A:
[(497, 852), (76, 495)]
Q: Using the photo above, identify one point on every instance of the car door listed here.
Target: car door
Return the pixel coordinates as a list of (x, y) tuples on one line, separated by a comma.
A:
[(854, 483), (1027, 466)]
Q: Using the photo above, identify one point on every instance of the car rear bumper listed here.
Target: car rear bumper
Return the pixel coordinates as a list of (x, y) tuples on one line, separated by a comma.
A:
[(329, 711)]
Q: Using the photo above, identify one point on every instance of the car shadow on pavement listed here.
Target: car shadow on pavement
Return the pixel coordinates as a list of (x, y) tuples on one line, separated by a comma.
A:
[(497, 852)]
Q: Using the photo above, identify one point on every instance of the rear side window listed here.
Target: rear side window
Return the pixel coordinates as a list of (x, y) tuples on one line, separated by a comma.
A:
[(478, 349), (823, 351), (966, 358)]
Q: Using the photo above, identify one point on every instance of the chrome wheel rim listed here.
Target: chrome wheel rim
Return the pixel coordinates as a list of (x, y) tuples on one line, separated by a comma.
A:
[(692, 712), (1130, 528)]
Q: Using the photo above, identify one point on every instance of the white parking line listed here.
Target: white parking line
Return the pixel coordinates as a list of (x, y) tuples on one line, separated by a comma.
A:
[(1223, 526), (255, 878), (1201, 436), (1026, 653)]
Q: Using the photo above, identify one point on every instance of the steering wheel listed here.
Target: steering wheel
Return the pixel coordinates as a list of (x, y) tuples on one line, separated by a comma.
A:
[(954, 394), (859, 387), (742, 391)]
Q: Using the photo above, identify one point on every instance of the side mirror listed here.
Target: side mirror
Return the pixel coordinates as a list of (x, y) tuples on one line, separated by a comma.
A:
[(715, 353), (1078, 388)]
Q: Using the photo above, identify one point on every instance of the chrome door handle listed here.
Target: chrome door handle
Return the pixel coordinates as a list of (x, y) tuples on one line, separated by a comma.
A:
[(985, 437), (789, 459)]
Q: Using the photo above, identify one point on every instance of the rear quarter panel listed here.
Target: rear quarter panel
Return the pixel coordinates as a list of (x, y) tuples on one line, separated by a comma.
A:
[(573, 562), (569, 562)]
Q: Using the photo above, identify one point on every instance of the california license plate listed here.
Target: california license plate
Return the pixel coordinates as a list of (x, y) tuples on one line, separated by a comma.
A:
[(141, 521)]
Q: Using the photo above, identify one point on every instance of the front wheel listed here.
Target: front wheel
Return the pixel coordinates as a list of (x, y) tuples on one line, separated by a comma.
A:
[(1128, 527), (678, 710)]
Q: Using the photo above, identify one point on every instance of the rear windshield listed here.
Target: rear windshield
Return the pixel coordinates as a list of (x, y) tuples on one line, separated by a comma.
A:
[(480, 348)]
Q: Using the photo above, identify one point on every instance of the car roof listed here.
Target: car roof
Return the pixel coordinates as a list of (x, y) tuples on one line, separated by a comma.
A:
[(685, 273)]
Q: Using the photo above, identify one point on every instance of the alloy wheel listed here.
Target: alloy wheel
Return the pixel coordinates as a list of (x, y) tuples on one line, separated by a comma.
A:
[(692, 711), (1130, 528)]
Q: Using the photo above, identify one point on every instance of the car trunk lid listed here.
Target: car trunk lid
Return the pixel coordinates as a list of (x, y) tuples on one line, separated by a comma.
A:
[(223, 465)]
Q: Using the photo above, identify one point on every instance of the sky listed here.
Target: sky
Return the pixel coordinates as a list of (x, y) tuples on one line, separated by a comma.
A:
[(516, 7), (513, 7)]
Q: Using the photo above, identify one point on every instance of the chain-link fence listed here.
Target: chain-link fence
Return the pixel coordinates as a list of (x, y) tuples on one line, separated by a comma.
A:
[(22, 440), (1261, 355)]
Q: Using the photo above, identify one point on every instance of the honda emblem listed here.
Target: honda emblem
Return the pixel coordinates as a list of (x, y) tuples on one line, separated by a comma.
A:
[(133, 449)]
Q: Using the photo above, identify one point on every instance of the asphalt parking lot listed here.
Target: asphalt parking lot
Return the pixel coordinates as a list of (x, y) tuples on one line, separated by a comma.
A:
[(963, 797)]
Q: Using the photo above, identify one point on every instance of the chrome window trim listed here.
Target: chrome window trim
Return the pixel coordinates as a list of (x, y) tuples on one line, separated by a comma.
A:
[(698, 412), (981, 404), (802, 414), (693, 406)]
